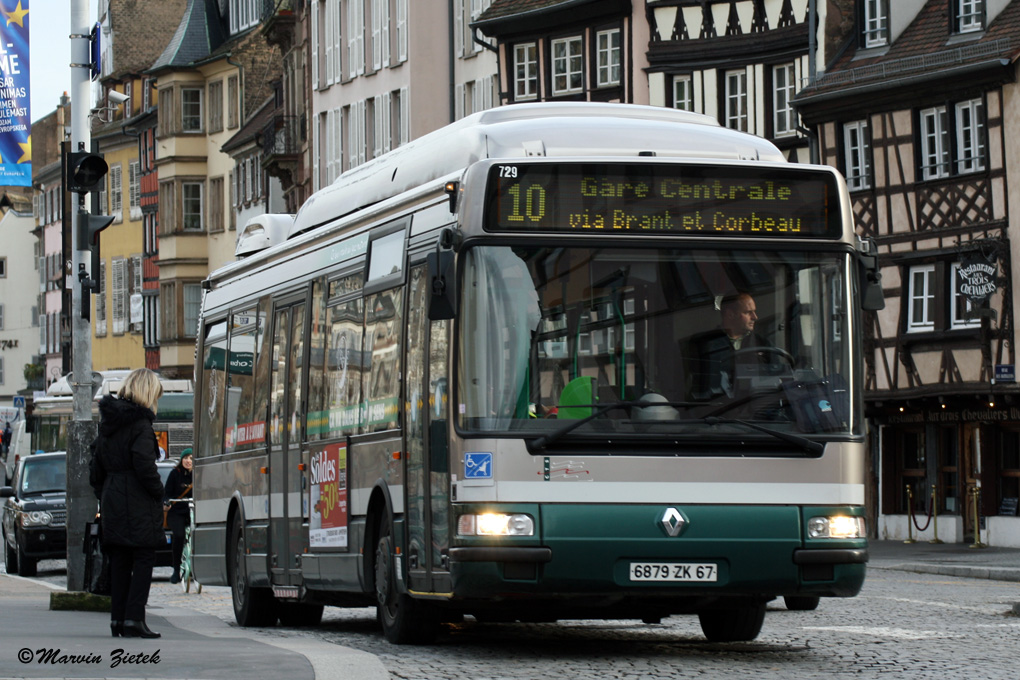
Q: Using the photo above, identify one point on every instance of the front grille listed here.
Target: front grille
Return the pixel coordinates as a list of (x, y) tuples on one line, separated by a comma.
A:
[(59, 518)]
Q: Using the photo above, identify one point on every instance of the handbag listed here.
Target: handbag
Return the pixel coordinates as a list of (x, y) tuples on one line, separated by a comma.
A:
[(97, 564), (166, 510)]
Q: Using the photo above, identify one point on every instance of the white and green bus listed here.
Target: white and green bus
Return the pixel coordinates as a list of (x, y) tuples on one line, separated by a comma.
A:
[(469, 378)]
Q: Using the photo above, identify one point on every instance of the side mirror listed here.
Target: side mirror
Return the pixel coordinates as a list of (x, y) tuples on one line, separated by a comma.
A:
[(872, 296), (442, 277)]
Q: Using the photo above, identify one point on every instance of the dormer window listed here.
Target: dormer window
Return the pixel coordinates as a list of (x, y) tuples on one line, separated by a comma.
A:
[(969, 15), (875, 23)]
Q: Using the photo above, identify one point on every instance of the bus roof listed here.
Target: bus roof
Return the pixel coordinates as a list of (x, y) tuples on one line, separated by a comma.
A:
[(521, 130)]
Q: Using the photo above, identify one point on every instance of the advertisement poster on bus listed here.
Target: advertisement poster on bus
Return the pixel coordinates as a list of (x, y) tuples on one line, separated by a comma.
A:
[(328, 522)]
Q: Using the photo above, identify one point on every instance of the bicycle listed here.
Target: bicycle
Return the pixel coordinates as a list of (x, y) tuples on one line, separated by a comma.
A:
[(187, 573)]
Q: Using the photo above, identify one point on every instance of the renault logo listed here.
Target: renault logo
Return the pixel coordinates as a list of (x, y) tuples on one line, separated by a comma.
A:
[(673, 522)]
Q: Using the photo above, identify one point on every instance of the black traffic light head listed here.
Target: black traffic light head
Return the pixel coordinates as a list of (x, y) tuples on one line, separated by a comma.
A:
[(84, 171), (89, 227)]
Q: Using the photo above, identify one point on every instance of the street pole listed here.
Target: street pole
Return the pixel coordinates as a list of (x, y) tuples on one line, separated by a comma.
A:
[(81, 502)]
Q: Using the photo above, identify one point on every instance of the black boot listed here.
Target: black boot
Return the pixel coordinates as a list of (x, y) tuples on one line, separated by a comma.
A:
[(116, 628), (138, 629)]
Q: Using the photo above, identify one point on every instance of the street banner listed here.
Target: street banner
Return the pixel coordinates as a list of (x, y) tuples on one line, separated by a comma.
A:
[(15, 86)]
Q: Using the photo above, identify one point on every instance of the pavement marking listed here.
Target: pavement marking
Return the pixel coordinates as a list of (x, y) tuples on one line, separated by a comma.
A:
[(887, 633)]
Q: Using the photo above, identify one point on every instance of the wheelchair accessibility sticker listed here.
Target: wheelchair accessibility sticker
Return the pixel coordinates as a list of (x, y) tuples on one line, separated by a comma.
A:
[(478, 467)]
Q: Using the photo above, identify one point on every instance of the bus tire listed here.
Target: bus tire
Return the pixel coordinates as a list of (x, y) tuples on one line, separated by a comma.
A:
[(403, 619), (733, 624), (801, 603), (297, 614), (252, 606)]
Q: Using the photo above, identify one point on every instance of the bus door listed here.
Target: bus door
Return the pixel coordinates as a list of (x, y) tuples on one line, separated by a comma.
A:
[(286, 541), (427, 479)]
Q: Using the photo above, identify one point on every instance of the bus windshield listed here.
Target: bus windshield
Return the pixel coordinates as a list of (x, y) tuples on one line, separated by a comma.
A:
[(654, 341)]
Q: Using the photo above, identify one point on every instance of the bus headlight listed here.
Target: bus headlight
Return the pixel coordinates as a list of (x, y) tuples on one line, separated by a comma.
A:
[(36, 518), (495, 524), (839, 526)]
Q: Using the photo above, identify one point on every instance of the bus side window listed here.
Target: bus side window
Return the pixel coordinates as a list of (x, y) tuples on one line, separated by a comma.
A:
[(383, 325), (214, 364)]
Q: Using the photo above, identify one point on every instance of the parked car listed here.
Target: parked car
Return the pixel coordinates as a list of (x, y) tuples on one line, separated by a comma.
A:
[(34, 515)]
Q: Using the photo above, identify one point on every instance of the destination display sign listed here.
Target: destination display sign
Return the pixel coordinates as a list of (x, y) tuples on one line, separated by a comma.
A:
[(605, 198)]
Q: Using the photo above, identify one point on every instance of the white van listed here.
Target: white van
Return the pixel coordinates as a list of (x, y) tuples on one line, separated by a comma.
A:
[(21, 442)]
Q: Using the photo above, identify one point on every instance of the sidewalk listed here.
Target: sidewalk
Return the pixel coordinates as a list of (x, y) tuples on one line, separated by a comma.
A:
[(946, 559), (38, 643)]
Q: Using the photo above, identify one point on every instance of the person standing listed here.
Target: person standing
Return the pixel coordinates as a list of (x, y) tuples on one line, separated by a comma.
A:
[(178, 516), (126, 481)]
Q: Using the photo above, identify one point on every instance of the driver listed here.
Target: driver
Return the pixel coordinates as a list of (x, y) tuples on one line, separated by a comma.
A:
[(719, 354)]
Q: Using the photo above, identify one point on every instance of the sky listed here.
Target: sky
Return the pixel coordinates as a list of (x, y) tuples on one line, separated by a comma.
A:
[(49, 27)]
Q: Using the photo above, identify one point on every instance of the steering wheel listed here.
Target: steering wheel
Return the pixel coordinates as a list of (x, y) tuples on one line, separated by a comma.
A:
[(770, 350)]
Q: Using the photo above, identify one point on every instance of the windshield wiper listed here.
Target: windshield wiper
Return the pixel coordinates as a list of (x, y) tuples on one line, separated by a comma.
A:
[(803, 443), (540, 443)]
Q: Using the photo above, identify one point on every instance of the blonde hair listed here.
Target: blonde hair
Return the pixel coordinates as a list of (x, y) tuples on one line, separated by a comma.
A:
[(143, 387)]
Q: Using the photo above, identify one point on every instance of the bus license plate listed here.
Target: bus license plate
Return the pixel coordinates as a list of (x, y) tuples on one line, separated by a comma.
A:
[(673, 572)]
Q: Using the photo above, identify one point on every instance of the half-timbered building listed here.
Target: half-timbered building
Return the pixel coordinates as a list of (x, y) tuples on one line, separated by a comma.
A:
[(742, 61), (920, 114)]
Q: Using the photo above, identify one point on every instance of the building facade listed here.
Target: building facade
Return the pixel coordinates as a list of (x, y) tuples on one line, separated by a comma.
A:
[(19, 311), (919, 113)]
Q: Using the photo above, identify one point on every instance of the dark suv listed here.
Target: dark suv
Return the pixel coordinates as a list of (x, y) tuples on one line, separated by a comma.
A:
[(35, 513)]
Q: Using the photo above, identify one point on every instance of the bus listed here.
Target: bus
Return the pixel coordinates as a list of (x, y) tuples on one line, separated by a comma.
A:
[(174, 412), (463, 380)]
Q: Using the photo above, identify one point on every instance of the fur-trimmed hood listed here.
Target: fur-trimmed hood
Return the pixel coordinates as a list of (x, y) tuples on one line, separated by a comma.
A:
[(117, 413)]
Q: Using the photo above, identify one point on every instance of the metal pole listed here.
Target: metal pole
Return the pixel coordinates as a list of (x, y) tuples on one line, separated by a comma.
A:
[(81, 502), (935, 514), (910, 516), (975, 493)]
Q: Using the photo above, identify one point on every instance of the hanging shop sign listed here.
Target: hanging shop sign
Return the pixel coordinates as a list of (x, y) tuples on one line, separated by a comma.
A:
[(976, 276)]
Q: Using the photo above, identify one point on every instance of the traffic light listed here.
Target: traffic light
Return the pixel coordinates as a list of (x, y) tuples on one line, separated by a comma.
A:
[(84, 171), (89, 227)]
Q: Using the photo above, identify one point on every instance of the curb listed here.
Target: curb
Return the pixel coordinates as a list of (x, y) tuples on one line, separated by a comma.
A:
[(990, 573)]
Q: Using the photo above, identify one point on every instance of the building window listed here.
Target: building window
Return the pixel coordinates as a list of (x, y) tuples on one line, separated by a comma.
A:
[(192, 307), (1, 316), (921, 304), (2, 379), (609, 57), (683, 93), (938, 157), (101, 301), (216, 204), (243, 14), (961, 309), (191, 109), (567, 65), (232, 103), (216, 106), (876, 23), (525, 71), (970, 136), (119, 295), (934, 143), (134, 185), (857, 150), (785, 87), (736, 100), (970, 16), (3, 267), (116, 190), (191, 206)]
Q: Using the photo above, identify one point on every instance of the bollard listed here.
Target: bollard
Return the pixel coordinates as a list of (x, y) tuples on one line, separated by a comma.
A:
[(910, 516), (975, 492), (935, 515)]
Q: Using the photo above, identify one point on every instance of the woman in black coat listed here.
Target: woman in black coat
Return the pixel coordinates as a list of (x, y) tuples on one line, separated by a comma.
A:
[(178, 516), (130, 493)]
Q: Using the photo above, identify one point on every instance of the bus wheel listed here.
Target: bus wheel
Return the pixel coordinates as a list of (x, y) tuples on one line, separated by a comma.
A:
[(403, 619), (295, 614), (735, 624), (801, 603), (252, 606)]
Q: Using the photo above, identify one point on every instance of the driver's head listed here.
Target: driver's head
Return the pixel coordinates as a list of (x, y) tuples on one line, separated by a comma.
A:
[(738, 315)]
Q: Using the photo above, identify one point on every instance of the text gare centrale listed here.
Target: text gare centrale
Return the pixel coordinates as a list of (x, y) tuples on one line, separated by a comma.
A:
[(713, 206)]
